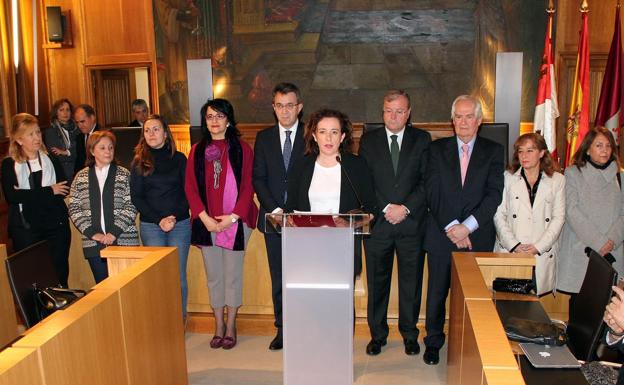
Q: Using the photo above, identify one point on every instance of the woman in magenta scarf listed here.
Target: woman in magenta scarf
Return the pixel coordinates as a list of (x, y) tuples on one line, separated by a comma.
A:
[(220, 193)]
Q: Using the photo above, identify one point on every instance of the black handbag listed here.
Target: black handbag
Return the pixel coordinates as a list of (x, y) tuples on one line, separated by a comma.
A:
[(52, 298), (542, 333), (513, 285)]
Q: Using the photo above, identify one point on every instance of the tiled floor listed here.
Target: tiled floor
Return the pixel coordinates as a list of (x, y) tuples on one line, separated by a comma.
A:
[(251, 363)]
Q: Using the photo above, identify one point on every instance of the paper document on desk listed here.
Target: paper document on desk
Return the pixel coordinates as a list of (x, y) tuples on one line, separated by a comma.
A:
[(549, 356)]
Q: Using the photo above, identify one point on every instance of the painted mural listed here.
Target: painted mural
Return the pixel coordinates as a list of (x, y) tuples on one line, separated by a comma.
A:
[(346, 53)]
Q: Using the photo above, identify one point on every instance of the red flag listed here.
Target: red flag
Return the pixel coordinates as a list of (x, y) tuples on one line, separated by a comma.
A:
[(546, 106), (578, 115), (609, 112)]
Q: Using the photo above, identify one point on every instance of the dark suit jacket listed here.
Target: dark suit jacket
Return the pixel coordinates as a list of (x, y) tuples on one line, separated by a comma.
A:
[(270, 178), (134, 123), (448, 200), (407, 187), (355, 167), (81, 151), (54, 138)]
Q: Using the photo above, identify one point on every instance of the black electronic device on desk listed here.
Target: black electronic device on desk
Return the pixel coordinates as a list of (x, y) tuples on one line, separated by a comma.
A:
[(532, 310)]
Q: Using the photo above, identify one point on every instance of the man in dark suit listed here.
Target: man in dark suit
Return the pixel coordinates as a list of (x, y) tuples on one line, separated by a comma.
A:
[(276, 150), (396, 157), (86, 119), (464, 186)]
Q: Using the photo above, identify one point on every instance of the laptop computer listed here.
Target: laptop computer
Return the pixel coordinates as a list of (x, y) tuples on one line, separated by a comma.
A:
[(549, 356)]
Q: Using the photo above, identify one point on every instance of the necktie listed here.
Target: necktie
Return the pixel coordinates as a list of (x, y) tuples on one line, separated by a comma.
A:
[(286, 154), (287, 149), (464, 162), (394, 152)]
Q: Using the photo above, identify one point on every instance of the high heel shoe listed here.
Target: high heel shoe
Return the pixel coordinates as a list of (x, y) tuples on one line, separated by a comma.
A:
[(229, 342), (216, 342)]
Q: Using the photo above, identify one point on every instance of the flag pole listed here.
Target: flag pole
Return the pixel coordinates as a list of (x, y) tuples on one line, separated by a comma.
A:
[(585, 6)]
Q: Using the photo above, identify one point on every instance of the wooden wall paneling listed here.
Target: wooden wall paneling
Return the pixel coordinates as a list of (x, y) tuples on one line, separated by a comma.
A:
[(20, 366), (80, 276), (149, 296), (66, 76), (64, 355), (8, 321), (8, 102), (116, 30)]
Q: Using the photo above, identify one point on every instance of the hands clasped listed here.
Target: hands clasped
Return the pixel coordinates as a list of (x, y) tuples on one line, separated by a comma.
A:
[(459, 235)]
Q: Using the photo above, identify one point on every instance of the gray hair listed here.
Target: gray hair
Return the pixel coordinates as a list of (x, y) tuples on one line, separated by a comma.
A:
[(478, 109), (139, 103)]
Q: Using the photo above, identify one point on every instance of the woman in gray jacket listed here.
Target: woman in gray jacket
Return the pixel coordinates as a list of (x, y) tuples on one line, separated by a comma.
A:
[(594, 209)]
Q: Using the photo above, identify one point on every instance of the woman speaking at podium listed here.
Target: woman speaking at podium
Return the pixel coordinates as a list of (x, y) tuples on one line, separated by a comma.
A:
[(330, 179)]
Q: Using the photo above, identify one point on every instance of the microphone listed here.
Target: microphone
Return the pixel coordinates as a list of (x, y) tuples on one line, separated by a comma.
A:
[(344, 171)]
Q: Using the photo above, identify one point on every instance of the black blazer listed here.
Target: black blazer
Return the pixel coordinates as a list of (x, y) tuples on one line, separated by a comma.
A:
[(81, 151), (355, 167), (40, 207), (448, 200), (270, 178), (407, 187)]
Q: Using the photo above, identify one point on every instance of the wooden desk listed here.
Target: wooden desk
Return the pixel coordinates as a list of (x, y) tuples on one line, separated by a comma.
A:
[(8, 320), (128, 331), (478, 351)]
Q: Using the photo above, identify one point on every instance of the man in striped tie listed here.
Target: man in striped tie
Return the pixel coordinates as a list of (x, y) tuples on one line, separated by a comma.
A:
[(276, 150)]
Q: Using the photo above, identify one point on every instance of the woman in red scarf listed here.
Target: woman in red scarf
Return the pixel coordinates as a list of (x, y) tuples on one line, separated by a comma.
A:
[(220, 193)]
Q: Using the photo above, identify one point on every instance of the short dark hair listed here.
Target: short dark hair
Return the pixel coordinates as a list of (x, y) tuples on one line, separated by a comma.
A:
[(285, 88), (90, 111), (311, 147), (225, 107)]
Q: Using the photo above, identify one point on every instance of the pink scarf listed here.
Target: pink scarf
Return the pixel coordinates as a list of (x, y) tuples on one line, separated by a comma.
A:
[(226, 238)]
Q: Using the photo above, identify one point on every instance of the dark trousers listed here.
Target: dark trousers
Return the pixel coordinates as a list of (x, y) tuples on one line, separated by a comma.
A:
[(379, 262), (99, 268), (273, 244), (59, 240), (439, 267)]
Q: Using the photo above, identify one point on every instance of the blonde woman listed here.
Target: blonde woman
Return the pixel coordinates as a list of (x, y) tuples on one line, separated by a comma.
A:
[(34, 186)]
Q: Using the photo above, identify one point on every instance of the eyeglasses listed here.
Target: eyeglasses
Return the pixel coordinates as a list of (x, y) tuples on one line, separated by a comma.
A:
[(398, 112), (216, 116), (288, 106)]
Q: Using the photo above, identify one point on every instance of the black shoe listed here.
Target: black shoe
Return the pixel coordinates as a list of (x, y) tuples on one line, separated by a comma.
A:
[(411, 347), (431, 356), (277, 342), (374, 347)]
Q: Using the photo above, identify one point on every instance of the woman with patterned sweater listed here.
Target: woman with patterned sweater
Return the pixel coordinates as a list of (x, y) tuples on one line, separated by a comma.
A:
[(100, 205)]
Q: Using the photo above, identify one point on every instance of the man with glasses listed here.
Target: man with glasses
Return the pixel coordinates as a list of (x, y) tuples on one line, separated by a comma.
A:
[(276, 150), (464, 186), (396, 156)]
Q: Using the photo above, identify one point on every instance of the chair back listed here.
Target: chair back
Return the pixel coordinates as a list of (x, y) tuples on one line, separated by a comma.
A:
[(497, 132), (25, 268), (585, 327)]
